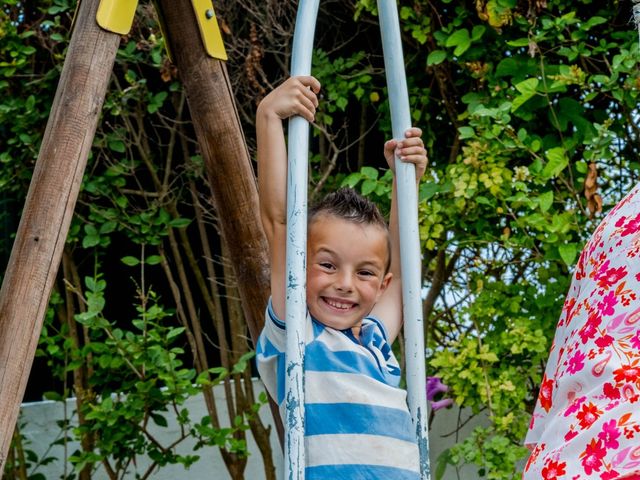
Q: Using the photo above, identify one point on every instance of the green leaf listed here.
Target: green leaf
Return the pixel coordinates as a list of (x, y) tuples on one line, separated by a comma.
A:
[(436, 57), (153, 260), (370, 173), (351, 180), (528, 86), (593, 21), (568, 252), (368, 186), (441, 464), (507, 67), (461, 40), (556, 162), (108, 227), (180, 222), (174, 332), (546, 200), (527, 89), (159, 419), (521, 42), (117, 146), (90, 241), (131, 261), (477, 32), (466, 132)]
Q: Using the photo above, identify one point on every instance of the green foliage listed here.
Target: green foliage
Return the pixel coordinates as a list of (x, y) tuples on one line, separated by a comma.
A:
[(521, 105), (139, 377)]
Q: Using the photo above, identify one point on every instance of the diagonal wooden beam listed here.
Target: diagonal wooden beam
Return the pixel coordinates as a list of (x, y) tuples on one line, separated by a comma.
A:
[(49, 206), (229, 170)]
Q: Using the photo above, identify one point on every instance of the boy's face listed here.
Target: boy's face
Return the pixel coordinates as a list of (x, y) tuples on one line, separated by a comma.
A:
[(346, 275)]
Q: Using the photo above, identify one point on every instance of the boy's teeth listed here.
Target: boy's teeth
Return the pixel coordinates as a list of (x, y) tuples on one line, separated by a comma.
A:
[(338, 304)]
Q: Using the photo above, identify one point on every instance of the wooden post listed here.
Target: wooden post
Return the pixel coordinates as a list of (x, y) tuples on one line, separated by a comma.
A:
[(49, 206), (231, 177)]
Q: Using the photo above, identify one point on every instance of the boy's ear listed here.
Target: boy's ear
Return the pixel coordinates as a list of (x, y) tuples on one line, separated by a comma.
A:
[(386, 280)]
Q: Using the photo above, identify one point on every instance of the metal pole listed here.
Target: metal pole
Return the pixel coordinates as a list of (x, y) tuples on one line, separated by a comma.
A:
[(410, 258), (296, 301)]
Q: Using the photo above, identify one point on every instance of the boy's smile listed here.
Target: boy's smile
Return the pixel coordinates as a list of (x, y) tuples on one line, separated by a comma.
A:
[(346, 275)]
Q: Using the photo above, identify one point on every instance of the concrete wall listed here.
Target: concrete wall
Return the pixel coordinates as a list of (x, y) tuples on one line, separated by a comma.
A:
[(41, 430)]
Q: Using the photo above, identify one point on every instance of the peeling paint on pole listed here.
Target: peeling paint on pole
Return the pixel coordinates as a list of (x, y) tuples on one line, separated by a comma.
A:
[(410, 258), (296, 302)]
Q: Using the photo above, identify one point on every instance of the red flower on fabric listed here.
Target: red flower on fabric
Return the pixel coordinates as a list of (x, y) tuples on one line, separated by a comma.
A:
[(631, 226), (570, 434), (588, 415), (569, 308), (610, 475), (546, 392), (605, 341), (627, 373), (607, 277), (575, 406), (553, 470), (608, 303), (590, 328), (592, 456), (609, 434), (621, 221), (611, 392), (576, 362)]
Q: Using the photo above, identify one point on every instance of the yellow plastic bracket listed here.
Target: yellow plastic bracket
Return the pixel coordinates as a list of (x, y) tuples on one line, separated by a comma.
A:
[(209, 29), (116, 15)]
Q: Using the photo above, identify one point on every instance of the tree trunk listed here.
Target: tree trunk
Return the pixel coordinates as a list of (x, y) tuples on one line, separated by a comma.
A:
[(230, 173), (49, 207)]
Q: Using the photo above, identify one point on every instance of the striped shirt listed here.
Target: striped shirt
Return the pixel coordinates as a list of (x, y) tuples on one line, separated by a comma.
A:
[(357, 424)]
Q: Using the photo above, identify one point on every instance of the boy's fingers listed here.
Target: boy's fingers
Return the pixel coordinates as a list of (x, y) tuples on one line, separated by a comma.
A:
[(417, 150), (411, 142), (310, 81), (413, 132)]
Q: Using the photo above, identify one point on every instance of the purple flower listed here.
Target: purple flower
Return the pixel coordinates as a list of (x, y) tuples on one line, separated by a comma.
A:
[(435, 387), (444, 403)]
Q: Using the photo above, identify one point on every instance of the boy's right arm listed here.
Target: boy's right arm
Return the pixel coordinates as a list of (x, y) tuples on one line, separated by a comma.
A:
[(296, 96)]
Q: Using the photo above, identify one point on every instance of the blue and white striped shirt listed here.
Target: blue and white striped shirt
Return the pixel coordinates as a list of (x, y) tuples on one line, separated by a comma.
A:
[(357, 424)]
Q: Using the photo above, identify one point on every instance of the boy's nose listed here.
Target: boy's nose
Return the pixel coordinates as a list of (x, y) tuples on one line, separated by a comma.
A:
[(344, 282)]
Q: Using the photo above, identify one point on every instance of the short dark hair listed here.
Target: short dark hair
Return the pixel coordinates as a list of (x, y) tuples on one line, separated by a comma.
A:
[(349, 205)]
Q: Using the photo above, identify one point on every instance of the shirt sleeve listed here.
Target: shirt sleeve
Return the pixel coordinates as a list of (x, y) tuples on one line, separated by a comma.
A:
[(270, 354)]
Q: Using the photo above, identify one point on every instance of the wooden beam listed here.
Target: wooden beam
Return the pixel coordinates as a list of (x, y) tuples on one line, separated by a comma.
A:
[(49, 206), (229, 170)]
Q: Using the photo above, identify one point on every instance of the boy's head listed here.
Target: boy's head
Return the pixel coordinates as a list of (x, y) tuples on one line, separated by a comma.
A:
[(348, 259), (349, 205)]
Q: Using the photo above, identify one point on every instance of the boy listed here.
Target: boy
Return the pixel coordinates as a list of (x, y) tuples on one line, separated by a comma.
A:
[(357, 424)]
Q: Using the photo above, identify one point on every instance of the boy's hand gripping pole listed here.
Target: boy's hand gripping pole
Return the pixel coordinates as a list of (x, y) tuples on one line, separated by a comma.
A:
[(410, 258), (295, 300)]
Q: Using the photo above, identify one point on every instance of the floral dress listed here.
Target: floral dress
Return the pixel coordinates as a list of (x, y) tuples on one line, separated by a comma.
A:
[(586, 424)]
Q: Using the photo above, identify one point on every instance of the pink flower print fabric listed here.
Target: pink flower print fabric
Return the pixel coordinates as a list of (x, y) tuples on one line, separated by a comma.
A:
[(586, 424)]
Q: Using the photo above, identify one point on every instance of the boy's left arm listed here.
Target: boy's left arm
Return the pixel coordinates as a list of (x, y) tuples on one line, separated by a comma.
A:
[(389, 307)]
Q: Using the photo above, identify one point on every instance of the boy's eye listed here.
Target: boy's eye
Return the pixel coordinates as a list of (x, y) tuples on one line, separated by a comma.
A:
[(326, 265), (366, 273)]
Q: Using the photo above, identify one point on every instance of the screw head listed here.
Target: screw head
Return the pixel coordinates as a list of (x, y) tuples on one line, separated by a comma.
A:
[(209, 14)]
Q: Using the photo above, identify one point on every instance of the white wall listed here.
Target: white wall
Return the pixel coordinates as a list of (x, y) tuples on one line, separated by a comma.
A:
[(41, 431)]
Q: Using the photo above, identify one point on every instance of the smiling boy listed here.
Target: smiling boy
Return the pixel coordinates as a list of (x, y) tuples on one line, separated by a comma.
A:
[(357, 424)]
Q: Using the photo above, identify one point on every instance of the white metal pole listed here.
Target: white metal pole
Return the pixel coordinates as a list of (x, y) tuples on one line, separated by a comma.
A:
[(410, 258), (296, 301)]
